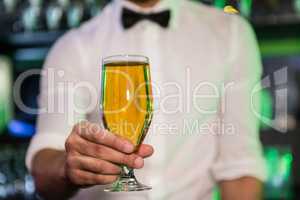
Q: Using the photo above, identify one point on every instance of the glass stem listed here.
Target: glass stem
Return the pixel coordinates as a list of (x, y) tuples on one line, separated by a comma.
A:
[(126, 172)]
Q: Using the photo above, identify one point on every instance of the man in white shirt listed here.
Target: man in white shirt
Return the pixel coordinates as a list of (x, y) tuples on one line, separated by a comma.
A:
[(204, 67)]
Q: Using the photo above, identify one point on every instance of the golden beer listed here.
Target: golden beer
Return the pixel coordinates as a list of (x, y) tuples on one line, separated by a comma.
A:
[(127, 99)]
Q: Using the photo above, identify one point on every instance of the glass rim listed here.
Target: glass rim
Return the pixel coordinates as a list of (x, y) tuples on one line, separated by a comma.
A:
[(126, 58)]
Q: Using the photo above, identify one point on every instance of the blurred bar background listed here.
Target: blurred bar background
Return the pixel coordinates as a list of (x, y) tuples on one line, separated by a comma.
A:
[(28, 28)]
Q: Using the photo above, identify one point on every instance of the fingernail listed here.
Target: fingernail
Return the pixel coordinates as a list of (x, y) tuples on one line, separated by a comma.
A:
[(128, 148), (139, 162)]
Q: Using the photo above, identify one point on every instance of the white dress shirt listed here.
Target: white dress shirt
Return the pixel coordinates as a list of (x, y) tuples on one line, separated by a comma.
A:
[(201, 134)]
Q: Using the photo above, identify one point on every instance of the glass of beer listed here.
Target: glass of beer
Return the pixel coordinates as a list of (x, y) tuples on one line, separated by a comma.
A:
[(127, 107)]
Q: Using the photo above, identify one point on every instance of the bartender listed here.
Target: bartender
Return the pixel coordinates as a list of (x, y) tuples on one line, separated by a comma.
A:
[(194, 51)]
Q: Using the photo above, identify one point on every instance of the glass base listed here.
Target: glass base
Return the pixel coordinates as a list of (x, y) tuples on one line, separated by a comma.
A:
[(127, 184)]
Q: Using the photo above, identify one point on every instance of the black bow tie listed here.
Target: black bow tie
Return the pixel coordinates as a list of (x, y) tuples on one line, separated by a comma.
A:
[(130, 18)]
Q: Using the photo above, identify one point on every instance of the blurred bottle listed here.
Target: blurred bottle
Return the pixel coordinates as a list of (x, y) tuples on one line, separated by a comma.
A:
[(93, 7), (15, 182), (245, 8), (3, 172), (32, 17), (297, 6), (279, 165), (54, 14), (37, 3), (5, 93), (75, 14), (10, 5), (63, 4), (6, 170)]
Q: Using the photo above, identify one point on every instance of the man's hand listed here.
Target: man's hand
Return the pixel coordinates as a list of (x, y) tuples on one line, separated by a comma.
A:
[(93, 155), (91, 158)]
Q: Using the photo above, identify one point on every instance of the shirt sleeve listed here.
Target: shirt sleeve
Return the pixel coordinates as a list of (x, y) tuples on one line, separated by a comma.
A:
[(59, 100), (239, 148)]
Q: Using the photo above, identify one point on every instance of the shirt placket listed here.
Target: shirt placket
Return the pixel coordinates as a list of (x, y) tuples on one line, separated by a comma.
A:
[(152, 49)]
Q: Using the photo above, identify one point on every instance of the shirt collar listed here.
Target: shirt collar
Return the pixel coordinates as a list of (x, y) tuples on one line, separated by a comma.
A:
[(172, 5)]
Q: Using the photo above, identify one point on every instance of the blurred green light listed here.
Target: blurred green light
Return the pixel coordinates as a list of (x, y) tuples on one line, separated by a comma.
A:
[(246, 7), (280, 47), (266, 109), (286, 165), (220, 3), (5, 93), (279, 165), (216, 194)]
